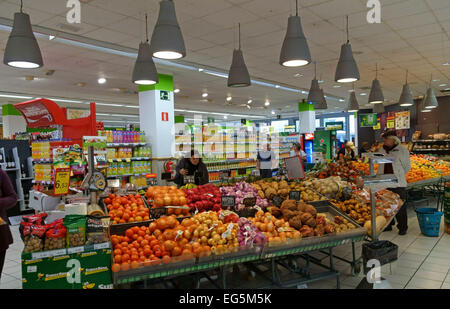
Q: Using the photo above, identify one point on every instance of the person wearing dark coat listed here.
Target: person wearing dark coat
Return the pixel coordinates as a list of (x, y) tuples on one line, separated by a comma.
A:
[(8, 199), (191, 165)]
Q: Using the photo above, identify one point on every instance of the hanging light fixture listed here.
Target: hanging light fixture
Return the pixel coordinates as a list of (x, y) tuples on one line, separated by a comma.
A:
[(406, 98), (315, 96), (238, 75), (376, 94), (323, 102), (347, 69), (144, 72), (431, 101), (295, 50), (167, 39), (378, 108), (22, 49), (353, 105)]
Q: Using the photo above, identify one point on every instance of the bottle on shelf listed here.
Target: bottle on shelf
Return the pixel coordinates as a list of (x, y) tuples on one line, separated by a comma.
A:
[(24, 175)]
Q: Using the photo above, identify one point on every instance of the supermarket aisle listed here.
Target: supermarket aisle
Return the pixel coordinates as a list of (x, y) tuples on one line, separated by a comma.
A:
[(423, 262)]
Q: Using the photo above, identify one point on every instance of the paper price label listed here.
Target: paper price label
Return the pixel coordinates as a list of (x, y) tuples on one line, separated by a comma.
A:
[(179, 233), (127, 160), (228, 201), (104, 245), (75, 250), (294, 195), (62, 181), (228, 231)]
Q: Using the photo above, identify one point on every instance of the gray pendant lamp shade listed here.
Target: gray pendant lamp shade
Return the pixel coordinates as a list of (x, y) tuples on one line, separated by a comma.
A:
[(347, 69), (22, 49), (322, 104), (295, 50), (431, 100), (144, 72), (315, 95), (376, 94), (167, 40), (406, 98), (353, 105), (238, 75), (378, 108)]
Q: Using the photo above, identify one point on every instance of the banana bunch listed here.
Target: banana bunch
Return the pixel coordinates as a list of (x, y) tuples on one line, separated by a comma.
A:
[(189, 186)]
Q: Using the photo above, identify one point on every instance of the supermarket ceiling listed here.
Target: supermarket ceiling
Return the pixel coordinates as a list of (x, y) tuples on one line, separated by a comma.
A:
[(413, 35)]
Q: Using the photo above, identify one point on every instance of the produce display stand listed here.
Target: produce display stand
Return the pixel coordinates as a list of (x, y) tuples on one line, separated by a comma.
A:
[(429, 187), (85, 267)]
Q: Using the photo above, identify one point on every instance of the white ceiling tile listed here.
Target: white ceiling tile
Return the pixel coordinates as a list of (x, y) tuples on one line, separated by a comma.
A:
[(438, 4), (98, 16), (199, 27), (106, 35), (306, 17), (221, 37), (336, 8), (124, 8), (229, 17), (49, 6), (194, 44), (368, 30), (411, 21), (60, 23), (7, 10), (201, 8), (420, 31), (258, 27), (404, 8), (269, 8), (130, 26), (443, 14)]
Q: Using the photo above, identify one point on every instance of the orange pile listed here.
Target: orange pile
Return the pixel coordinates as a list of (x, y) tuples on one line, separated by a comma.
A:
[(126, 209), (364, 167), (165, 196), (163, 241)]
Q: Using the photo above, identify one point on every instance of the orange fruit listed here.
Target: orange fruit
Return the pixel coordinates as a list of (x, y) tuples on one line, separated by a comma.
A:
[(115, 268), (124, 267), (135, 264), (166, 259)]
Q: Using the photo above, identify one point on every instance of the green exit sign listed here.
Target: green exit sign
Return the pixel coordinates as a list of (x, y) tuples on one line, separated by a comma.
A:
[(164, 95)]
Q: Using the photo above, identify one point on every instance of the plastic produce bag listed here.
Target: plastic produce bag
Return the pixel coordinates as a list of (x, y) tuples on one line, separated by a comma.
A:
[(76, 230)]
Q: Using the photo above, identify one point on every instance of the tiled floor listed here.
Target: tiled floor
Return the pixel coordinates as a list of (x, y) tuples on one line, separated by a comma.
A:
[(424, 262)]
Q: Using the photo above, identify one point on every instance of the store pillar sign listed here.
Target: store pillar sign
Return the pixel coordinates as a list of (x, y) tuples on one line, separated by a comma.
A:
[(62, 181), (402, 120), (336, 126), (368, 120), (164, 95), (164, 116)]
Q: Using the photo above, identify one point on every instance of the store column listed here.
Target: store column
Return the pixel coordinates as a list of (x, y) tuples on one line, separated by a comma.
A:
[(13, 121), (156, 114), (306, 117)]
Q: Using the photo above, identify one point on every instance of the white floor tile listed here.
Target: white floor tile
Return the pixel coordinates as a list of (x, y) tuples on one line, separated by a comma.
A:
[(402, 262), (437, 254), (445, 286), (417, 251), (11, 285), (412, 257), (424, 284), (403, 271), (6, 278), (397, 278), (435, 267), (430, 275), (439, 261)]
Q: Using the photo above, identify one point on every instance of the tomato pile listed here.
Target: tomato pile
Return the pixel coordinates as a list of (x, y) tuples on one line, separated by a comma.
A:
[(204, 198), (126, 209)]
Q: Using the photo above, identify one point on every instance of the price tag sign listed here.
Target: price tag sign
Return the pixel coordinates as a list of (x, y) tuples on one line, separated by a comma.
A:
[(294, 195), (127, 160), (228, 201), (277, 200), (224, 174), (62, 181), (249, 201)]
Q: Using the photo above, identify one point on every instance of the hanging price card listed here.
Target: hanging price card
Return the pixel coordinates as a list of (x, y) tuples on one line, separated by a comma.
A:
[(62, 181)]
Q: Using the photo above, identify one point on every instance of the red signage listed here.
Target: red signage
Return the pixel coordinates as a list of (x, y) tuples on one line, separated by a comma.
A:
[(309, 136), (165, 116)]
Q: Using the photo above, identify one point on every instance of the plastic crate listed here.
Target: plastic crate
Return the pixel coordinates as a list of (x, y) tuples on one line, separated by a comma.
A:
[(384, 251), (429, 221)]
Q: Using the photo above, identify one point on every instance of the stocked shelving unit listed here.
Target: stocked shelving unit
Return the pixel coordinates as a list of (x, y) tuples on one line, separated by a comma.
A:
[(421, 146)]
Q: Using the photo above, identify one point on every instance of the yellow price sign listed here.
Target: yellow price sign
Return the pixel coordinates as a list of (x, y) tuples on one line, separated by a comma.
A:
[(62, 181), (127, 160)]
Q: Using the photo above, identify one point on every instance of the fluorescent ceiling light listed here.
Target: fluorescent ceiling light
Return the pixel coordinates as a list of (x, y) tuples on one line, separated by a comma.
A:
[(101, 80), (267, 103), (225, 117), (66, 101), (442, 85), (15, 96), (363, 94), (176, 90), (108, 104), (229, 99), (200, 70), (204, 95), (51, 37), (277, 86), (446, 63), (218, 74), (273, 113)]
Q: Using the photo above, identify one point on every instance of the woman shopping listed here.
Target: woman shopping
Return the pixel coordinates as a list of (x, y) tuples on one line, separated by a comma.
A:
[(392, 148)]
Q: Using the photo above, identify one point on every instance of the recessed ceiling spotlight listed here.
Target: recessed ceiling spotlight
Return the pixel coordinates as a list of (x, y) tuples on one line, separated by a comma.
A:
[(336, 86), (273, 112), (442, 85), (176, 90), (229, 98), (298, 75), (446, 63), (225, 117), (101, 80), (277, 86), (341, 100), (204, 94), (363, 94), (200, 70), (436, 80), (249, 101), (267, 103), (51, 37)]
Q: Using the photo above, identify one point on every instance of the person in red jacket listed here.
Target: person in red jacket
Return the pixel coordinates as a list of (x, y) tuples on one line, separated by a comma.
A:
[(8, 199)]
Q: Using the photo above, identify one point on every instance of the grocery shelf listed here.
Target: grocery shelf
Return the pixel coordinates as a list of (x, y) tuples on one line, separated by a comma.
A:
[(129, 159), (37, 161), (125, 144), (430, 140), (127, 175), (11, 169), (231, 168), (44, 182), (431, 150)]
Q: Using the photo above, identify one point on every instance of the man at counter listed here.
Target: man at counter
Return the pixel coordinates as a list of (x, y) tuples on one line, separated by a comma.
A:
[(264, 161), (191, 165)]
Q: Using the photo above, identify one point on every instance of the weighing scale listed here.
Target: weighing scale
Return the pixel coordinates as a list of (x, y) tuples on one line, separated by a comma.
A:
[(94, 182)]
